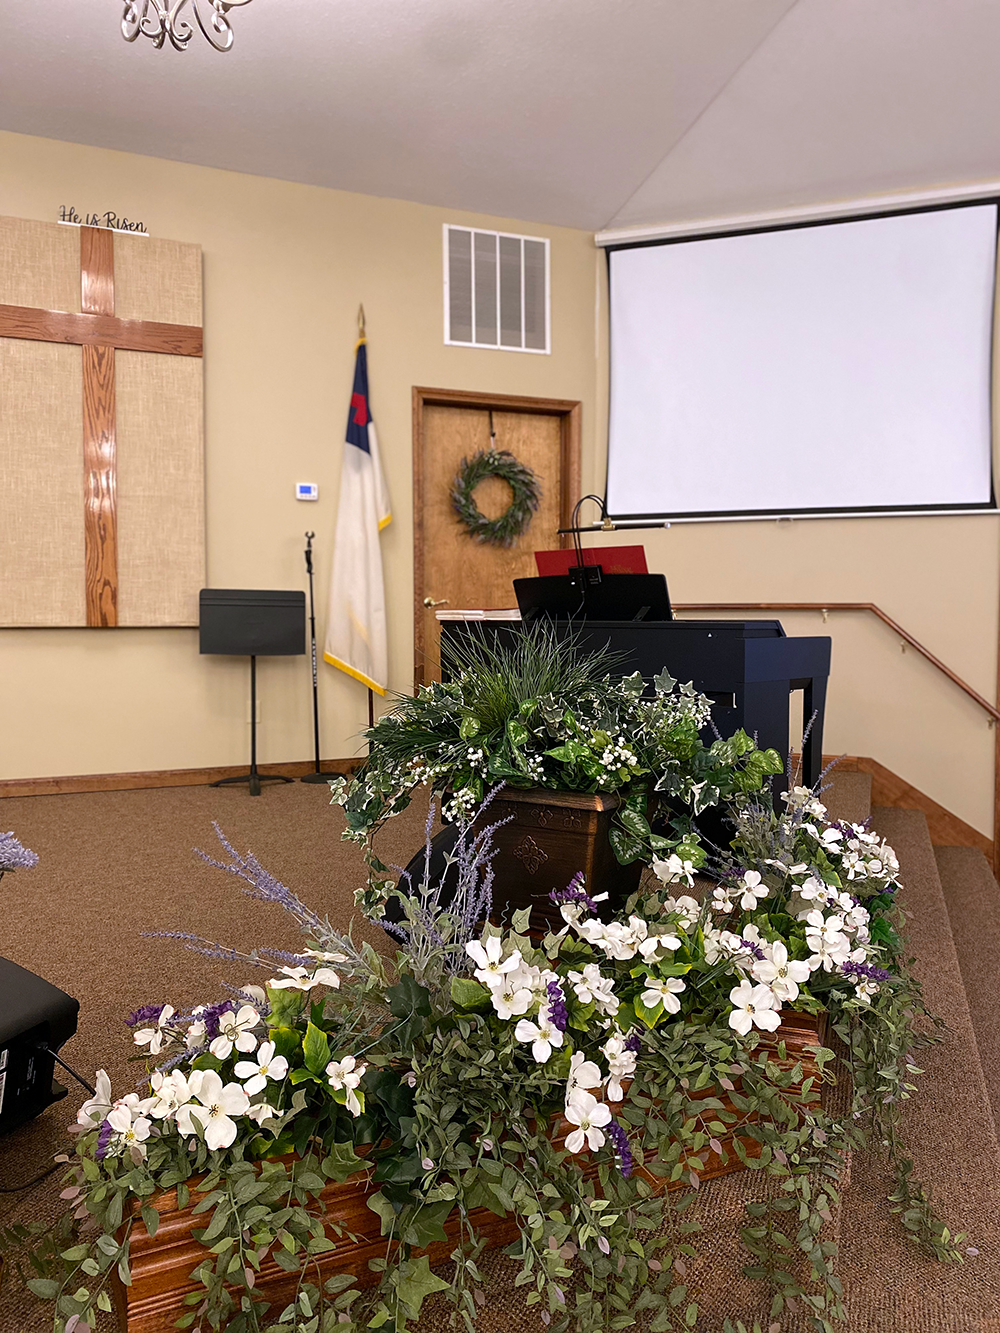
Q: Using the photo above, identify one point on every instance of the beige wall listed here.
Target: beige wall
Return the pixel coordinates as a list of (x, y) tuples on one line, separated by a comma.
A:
[(937, 577), (285, 269)]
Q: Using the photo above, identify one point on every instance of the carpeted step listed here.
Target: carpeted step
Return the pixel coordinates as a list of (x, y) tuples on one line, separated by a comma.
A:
[(890, 1287), (847, 796), (972, 896)]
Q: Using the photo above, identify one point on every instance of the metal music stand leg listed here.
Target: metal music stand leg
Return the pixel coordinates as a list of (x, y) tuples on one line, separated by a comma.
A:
[(317, 775), (254, 777)]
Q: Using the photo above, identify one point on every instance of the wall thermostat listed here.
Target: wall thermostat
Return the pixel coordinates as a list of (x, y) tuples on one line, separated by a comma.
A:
[(306, 490)]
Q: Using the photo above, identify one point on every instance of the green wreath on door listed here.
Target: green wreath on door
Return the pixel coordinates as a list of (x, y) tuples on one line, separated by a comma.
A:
[(505, 529)]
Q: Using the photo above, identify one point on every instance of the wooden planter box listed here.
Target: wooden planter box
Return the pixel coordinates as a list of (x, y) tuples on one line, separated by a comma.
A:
[(552, 836), (161, 1267)]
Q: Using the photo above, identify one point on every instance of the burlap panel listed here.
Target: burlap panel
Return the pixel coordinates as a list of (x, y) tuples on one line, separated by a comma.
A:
[(161, 491), (41, 484)]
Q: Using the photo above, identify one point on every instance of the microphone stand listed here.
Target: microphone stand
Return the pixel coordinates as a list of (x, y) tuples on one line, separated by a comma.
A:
[(317, 775)]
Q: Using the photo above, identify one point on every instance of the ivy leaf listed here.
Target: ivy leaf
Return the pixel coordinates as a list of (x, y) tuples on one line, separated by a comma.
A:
[(416, 1282), (382, 1208), (427, 1224), (341, 1162), (408, 997), (316, 1049), (45, 1287), (664, 682), (467, 993)]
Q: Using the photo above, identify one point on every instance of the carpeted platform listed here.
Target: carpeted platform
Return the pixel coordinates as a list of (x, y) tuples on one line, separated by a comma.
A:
[(116, 864)]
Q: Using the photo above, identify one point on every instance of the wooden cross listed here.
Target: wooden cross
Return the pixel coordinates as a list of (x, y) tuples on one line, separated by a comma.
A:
[(99, 332)]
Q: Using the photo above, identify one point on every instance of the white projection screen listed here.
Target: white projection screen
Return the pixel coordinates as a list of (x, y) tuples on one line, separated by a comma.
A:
[(836, 368)]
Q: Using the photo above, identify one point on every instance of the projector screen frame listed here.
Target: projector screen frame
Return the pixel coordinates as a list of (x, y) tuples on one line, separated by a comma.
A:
[(660, 518)]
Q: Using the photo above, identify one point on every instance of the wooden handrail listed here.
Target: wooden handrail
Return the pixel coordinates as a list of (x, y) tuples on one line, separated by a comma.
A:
[(993, 711)]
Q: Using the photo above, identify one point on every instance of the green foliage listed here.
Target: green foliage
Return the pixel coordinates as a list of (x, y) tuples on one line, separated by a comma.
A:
[(543, 713), (524, 500)]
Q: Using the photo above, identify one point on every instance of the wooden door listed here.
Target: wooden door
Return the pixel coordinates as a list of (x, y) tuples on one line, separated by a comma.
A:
[(451, 568)]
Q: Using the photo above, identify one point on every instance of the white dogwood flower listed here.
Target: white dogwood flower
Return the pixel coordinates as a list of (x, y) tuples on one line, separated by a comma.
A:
[(95, 1108), (753, 890), (261, 1111), (583, 1074), (722, 900), (686, 907), (783, 977), (171, 1091), (590, 987), (213, 1107), (673, 870), (510, 1000), (300, 978), (655, 947), (155, 1037), (268, 1066), (492, 966), (590, 1116), (235, 1030), (132, 1133), (825, 936), (753, 1006), (346, 1075), (663, 992), (543, 1035), (621, 1064)]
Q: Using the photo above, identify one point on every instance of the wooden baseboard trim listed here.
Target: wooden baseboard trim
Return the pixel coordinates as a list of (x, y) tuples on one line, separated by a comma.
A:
[(946, 829), (167, 777)]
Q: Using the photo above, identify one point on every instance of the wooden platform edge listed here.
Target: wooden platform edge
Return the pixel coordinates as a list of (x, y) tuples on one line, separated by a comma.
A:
[(946, 829), (164, 777)]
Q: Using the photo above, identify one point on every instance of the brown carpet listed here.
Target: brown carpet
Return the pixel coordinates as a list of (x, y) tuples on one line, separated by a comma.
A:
[(950, 1130), (116, 864), (973, 899), (113, 865)]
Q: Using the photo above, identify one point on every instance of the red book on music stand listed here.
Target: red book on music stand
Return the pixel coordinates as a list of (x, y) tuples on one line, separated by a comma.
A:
[(611, 559)]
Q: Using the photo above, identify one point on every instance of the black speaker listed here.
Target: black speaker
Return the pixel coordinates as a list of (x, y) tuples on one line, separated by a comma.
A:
[(33, 1015)]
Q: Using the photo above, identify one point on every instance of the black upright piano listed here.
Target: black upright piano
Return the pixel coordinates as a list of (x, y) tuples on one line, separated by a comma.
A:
[(747, 668)]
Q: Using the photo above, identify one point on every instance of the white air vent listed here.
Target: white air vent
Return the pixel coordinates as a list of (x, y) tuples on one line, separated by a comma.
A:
[(496, 290)]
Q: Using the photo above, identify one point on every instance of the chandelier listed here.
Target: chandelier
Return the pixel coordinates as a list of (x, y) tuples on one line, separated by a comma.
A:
[(162, 19)]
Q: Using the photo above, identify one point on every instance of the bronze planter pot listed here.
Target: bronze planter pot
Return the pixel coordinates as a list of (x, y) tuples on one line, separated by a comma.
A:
[(550, 837)]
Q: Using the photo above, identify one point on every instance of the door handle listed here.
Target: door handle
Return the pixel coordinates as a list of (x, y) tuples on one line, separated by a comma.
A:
[(430, 603)]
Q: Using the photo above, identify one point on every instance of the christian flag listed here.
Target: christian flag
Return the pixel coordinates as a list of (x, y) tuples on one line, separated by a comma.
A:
[(355, 633)]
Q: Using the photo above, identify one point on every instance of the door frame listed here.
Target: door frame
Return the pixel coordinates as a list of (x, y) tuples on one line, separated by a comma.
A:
[(569, 412)]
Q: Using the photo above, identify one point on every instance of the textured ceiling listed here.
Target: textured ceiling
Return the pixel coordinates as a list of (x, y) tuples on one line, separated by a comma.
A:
[(587, 113), (846, 98)]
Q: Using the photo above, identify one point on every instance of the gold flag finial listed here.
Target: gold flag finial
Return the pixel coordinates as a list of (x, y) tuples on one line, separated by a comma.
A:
[(361, 321)]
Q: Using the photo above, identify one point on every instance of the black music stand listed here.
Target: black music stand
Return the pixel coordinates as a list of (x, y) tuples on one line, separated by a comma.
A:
[(248, 623)]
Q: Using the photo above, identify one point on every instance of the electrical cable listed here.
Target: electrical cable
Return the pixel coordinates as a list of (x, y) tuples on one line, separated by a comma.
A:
[(29, 1184), (62, 1063)]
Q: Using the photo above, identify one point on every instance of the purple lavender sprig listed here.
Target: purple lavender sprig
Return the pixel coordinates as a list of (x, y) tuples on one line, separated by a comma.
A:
[(145, 1015), (573, 893), (619, 1138), (865, 971), (262, 885), (14, 856), (633, 1043), (754, 949), (104, 1136), (557, 1006)]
